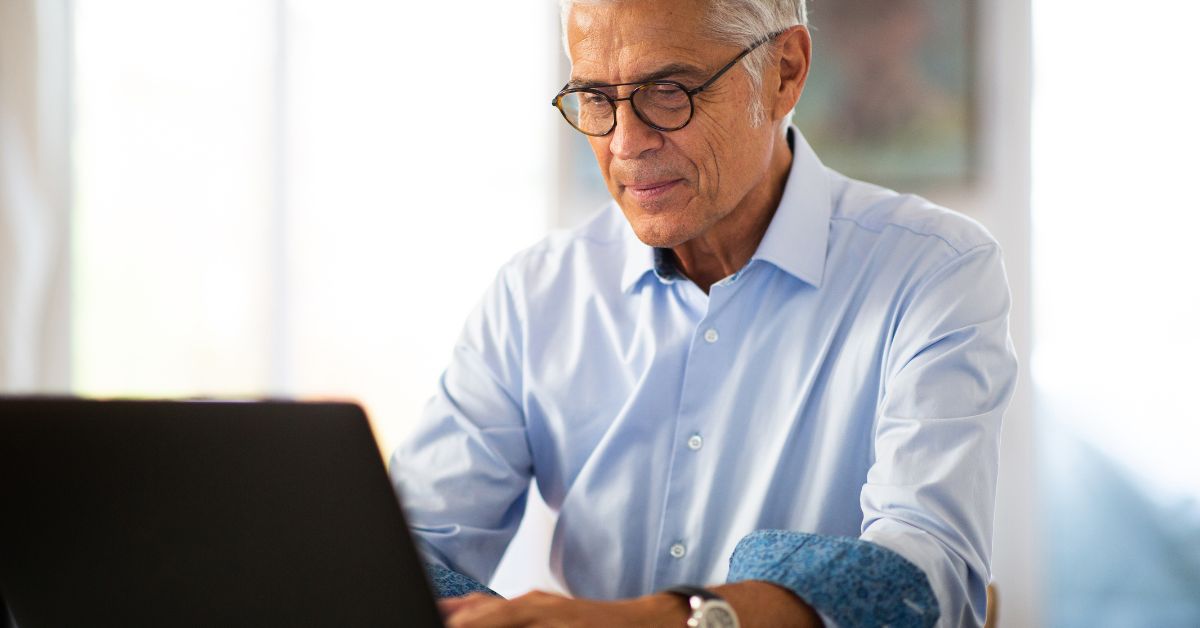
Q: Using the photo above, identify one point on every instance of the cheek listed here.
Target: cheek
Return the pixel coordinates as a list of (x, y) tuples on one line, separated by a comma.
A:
[(708, 157), (724, 138)]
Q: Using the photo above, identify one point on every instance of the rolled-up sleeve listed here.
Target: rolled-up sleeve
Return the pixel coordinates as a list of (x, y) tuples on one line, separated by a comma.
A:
[(849, 582), (951, 370), (464, 474), (924, 551), (448, 583)]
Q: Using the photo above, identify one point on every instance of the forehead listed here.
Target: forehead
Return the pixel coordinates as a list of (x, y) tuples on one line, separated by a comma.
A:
[(625, 40)]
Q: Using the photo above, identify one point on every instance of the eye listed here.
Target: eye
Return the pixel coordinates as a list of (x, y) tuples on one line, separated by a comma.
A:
[(665, 96)]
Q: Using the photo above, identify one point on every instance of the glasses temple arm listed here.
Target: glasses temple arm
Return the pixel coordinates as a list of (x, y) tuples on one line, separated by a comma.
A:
[(735, 61)]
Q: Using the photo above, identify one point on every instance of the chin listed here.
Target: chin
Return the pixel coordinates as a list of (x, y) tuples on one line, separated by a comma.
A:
[(659, 230)]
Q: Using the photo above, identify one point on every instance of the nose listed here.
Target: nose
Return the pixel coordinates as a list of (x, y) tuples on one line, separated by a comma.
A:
[(632, 138)]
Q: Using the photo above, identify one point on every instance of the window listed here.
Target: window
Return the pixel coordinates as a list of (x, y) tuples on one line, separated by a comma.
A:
[(1116, 307), (296, 197)]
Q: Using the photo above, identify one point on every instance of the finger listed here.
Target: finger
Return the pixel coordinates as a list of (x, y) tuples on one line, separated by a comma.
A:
[(482, 613), (451, 605), (526, 610)]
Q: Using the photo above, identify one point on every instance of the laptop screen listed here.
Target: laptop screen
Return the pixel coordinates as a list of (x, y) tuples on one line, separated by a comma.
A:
[(124, 513)]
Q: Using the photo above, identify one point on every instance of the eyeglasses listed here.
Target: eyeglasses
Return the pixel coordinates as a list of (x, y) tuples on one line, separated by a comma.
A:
[(662, 105)]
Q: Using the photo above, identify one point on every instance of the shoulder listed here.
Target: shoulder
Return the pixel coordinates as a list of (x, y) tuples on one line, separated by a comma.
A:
[(588, 253), (864, 210)]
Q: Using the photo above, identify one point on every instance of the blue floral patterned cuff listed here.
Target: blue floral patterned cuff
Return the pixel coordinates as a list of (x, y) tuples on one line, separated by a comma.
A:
[(450, 583), (852, 582)]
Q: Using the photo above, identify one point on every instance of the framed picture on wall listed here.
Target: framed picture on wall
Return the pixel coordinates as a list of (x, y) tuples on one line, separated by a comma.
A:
[(891, 94)]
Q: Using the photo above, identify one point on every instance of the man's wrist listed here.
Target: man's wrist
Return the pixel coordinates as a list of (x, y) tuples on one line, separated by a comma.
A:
[(707, 609), (760, 604), (757, 603), (659, 610)]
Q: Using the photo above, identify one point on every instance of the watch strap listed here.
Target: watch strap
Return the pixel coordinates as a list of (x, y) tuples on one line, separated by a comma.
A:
[(689, 591), (702, 603)]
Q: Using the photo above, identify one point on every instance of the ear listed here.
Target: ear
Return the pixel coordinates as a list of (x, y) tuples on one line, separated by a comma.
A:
[(795, 55)]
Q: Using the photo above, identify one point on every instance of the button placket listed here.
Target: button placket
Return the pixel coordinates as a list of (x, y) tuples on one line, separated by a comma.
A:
[(702, 377)]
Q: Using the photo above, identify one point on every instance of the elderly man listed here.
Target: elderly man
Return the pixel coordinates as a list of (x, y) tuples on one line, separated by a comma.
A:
[(754, 390)]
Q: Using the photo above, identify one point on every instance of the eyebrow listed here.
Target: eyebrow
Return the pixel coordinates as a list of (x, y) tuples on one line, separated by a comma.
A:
[(677, 70)]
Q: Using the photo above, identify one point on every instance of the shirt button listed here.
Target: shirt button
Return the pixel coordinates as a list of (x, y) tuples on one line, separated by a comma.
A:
[(678, 550), (711, 336), (695, 442)]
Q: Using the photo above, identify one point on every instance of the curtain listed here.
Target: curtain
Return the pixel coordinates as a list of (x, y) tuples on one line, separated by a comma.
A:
[(34, 195)]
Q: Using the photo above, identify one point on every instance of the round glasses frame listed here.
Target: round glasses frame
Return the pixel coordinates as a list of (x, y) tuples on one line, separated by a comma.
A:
[(595, 89)]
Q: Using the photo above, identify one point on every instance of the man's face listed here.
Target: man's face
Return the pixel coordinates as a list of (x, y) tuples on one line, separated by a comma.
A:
[(672, 186)]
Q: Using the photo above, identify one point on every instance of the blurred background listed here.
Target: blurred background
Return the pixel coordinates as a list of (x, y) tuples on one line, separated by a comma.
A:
[(305, 198)]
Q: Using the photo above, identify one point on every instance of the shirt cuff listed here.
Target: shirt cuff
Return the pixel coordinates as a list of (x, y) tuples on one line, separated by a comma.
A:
[(847, 580), (450, 583)]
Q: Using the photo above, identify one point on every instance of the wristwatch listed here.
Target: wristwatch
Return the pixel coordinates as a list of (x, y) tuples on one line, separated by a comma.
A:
[(709, 610)]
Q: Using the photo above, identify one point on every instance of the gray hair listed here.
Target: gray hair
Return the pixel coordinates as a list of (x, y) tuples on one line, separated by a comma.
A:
[(738, 23)]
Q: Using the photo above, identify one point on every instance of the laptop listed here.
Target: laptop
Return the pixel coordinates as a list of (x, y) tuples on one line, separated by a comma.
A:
[(159, 513)]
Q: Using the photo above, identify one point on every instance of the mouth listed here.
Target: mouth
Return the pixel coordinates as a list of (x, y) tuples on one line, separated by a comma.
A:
[(649, 191)]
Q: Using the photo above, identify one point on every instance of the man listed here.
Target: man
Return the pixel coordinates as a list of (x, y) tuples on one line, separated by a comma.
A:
[(749, 370)]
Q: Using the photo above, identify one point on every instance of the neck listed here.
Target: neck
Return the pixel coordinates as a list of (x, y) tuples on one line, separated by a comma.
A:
[(729, 244)]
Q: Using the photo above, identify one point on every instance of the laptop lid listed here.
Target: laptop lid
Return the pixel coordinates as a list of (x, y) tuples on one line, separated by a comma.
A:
[(153, 513)]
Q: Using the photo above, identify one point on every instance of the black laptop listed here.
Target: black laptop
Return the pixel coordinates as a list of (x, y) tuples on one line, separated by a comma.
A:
[(153, 513)]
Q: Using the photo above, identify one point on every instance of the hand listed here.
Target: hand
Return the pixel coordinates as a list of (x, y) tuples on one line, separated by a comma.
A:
[(549, 609)]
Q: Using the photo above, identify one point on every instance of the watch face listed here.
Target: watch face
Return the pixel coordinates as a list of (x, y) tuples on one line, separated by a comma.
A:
[(718, 615)]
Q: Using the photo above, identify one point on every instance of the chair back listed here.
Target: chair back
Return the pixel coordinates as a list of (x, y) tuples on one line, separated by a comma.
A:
[(993, 607)]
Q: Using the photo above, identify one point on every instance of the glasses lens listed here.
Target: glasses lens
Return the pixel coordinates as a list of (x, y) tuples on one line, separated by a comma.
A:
[(664, 105), (590, 112)]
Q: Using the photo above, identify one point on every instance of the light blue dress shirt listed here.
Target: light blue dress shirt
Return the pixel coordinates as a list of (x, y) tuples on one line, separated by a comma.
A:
[(849, 381)]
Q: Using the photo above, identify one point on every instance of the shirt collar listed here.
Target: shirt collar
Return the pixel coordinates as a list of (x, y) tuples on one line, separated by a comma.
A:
[(795, 241), (641, 259), (798, 237)]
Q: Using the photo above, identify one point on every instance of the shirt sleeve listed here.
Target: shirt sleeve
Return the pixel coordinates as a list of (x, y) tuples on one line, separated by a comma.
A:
[(464, 474), (447, 583), (924, 551), (848, 582), (930, 494)]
